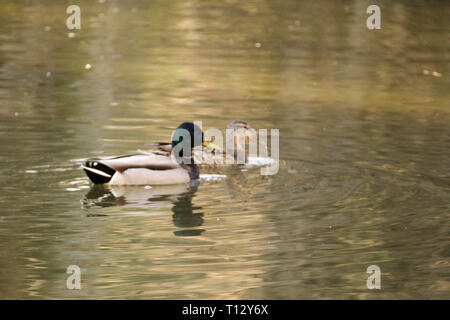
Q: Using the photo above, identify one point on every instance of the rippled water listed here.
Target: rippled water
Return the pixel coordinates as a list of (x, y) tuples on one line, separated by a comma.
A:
[(364, 173)]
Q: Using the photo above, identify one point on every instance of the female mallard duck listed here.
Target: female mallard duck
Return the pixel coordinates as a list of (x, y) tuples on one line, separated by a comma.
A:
[(214, 156), (151, 169)]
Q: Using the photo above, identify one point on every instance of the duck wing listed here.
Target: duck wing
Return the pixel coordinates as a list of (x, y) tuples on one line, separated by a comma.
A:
[(164, 146), (148, 161)]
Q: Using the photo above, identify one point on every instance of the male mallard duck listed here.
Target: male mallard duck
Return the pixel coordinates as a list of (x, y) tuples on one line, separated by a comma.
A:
[(214, 156), (150, 169)]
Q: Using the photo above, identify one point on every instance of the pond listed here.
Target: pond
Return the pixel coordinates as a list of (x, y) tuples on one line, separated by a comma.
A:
[(364, 149)]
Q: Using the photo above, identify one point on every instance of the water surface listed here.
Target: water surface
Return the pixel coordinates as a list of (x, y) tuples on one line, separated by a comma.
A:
[(364, 149)]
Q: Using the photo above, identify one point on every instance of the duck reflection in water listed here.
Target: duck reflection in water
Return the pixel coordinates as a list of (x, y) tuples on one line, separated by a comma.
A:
[(185, 216)]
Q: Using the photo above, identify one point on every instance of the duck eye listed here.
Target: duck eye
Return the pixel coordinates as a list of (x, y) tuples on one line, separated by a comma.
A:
[(94, 164)]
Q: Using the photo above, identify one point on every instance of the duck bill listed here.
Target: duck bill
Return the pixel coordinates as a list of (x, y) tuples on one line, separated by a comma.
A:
[(210, 145), (251, 139)]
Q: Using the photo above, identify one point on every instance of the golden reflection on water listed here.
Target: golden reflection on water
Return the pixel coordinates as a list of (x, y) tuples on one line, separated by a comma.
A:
[(363, 118)]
